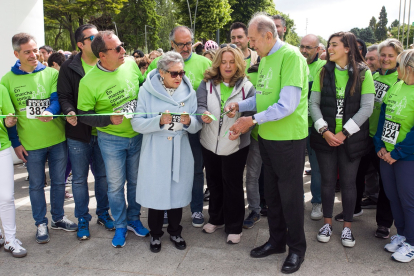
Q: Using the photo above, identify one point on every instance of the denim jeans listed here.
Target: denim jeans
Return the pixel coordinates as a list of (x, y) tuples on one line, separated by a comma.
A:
[(121, 158), (196, 204), (253, 169), (316, 173), (82, 154), (57, 156)]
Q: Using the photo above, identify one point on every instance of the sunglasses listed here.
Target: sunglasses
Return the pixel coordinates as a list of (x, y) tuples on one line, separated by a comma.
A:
[(230, 45), (176, 74), (88, 37), (117, 48)]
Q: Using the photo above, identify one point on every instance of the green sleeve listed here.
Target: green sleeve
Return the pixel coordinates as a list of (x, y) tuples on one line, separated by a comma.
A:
[(7, 106), (54, 77), (316, 86), (151, 67), (86, 98), (292, 73), (368, 86)]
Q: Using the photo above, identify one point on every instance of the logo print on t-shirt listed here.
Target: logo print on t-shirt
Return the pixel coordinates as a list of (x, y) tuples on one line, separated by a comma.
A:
[(191, 77), (41, 92), (130, 90), (401, 105), (268, 78)]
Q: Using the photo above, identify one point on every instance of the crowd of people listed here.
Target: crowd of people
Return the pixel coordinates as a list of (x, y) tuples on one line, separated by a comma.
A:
[(154, 123)]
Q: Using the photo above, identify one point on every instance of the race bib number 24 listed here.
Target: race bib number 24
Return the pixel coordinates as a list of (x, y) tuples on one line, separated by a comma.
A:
[(36, 107)]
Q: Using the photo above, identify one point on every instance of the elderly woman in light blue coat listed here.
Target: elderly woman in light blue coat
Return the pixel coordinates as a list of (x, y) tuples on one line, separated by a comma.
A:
[(165, 174)]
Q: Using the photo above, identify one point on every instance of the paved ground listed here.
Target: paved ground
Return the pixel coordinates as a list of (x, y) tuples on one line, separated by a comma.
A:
[(206, 254)]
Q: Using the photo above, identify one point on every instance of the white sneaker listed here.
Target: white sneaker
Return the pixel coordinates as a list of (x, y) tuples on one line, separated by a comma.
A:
[(325, 233), (396, 242), (15, 248), (347, 238), (316, 213), (234, 238), (1, 239), (404, 254)]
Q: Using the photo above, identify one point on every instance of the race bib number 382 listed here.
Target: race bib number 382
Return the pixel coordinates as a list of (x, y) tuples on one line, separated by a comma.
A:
[(390, 132), (36, 107)]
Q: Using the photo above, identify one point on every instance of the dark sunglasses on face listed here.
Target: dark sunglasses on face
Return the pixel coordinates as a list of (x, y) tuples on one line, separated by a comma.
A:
[(174, 74), (88, 37), (230, 45), (117, 48)]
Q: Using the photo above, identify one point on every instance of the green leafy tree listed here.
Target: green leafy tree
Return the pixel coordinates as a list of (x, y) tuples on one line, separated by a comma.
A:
[(355, 31), (367, 35), (394, 23), (167, 10), (381, 27), (373, 23), (131, 23), (69, 14), (403, 31), (322, 40), (244, 9)]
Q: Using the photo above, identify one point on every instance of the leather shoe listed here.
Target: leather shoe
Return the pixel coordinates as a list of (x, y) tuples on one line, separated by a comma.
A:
[(292, 263), (179, 242), (266, 250), (155, 245)]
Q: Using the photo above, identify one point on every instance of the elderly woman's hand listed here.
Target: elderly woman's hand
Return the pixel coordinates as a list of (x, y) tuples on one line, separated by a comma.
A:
[(185, 119), (10, 120), (233, 107), (166, 118), (205, 118)]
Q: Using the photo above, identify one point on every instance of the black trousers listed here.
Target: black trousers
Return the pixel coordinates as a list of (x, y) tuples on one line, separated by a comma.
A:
[(224, 175), (384, 214), (156, 218), (283, 169)]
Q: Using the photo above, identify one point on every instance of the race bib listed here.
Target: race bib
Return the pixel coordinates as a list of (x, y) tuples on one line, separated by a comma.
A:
[(339, 108), (390, 132), (380, 91), (36, 107), (128, 107), (175, 124)]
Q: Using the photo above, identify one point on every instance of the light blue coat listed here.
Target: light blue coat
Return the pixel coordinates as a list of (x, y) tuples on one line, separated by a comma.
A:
[(166, 168)]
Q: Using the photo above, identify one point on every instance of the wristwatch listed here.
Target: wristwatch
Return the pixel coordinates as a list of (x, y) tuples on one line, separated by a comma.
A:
[(322, 130), (346, 133), (254, 120)]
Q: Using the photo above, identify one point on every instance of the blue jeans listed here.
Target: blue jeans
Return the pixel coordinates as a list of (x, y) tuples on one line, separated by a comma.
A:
[(121, 158), (316, 173), (57, 156), (82, 154), (196, 204)]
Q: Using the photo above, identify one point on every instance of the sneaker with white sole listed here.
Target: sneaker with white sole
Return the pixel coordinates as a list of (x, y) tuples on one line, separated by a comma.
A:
[(15, 248), (404, 254), (1, 239), (325, 233), (64, 224), (316, 213), (42, 233), (234, 238), (211, 228), (347, 238), (197, 219), (396, 242)]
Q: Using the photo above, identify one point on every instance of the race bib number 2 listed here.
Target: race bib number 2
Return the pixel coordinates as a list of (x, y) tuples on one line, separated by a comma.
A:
[(175, 124), (36, 107), (339, 108), (390, 132)]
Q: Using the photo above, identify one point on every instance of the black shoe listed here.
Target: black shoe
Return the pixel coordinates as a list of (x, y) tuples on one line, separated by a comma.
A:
[(207, 195), (155, 244), (292, 263), (368, 203), (265, 250), (263, 207), (179, 242)]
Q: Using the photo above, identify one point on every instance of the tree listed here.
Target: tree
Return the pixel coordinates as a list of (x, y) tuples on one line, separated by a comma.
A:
[(381, 27), (355, 31), (367, 35), (244, 9), (131, 23), (166, 9), (373, 23), (69, 14), (322, 40), (395, 23)]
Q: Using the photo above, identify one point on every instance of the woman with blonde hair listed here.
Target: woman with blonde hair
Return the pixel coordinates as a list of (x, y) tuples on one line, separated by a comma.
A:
[(224, 159), (210, 54)]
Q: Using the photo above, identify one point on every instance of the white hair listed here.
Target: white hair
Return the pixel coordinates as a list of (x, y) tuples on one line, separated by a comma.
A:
[(264, 24), (168, 59)]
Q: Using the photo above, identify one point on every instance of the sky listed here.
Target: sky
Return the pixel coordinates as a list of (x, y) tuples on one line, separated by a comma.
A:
[(326, 17)]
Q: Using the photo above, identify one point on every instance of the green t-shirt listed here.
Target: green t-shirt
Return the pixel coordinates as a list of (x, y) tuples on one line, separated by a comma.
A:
[(194, 68), (399, 117), (87, 68), (32, 92), (314, 69), (6, 107), (285, 67), (107, 92), (341, 79), (382, 84), (225, 92)]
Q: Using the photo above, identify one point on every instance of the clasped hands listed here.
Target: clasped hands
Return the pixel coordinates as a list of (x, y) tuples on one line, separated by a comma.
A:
[(166, 118), (386, 156)]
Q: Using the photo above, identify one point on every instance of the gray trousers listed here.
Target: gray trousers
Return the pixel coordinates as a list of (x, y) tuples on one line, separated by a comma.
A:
[(253, 168)]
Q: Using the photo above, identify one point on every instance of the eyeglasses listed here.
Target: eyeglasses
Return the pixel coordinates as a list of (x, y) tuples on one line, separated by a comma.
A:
[(176, 74), (117, 48), (181, 45), (88, 37), (230, 45), (307, 47)]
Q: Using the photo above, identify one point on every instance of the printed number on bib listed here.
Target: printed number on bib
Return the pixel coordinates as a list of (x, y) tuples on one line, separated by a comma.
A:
[(380, 91), (128, 107), (175, 124), (339, 108), (390, 132), (36, 107)]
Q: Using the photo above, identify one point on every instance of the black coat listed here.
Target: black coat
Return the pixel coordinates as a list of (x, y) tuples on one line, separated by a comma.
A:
[(357, 145)]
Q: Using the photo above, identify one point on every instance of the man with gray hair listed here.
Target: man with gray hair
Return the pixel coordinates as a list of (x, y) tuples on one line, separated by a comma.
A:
[(372, 58), (111, 87), (280, 23), (181, 39), (281, 102)]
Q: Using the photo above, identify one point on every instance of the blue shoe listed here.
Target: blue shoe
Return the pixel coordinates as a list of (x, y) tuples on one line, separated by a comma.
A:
[(42, 234), (106, 220), (83, 229), (64, 224), (119, 238), (137, 227), (197, 219), (251, 220)]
